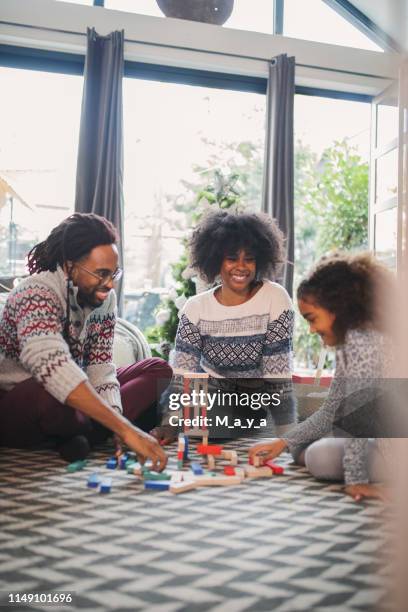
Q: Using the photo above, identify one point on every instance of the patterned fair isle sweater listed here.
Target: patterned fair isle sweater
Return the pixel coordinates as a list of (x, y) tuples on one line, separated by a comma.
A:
[(361, 360), (251, 340), (32, 342)]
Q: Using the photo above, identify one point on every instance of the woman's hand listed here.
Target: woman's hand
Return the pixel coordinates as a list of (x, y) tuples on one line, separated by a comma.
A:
[(146, 447), (267, 450), (164, 434), (364, 490)]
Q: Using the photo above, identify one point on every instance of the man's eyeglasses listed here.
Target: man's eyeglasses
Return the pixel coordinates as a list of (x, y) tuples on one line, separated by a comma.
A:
[(105, 275)]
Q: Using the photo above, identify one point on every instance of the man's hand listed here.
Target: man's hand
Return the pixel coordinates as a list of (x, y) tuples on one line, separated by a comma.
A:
[(360, 491), (86, 399), (146, 447), (164, 434), (267, 450)]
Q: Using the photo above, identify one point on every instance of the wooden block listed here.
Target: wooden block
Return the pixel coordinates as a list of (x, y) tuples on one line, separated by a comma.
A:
[(112, 463), (193, 375), (256, 461), (176, 477), (196, 468), (217, 481), (157, 485), (257, 472), (186, 447), (181, 443), (182, 487), (94, 481), (156, 475), (136, 469), (276, 469), (229, 470), (240, 472), (106, 485), (211, 462), (209, 449), (231, 456), (76, 466)]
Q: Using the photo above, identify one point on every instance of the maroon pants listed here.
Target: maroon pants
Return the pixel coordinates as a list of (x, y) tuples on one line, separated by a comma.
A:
[(29, 415)]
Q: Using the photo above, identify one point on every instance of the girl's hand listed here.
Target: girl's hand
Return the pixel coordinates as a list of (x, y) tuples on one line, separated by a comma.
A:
[(360, 491), (267, 450)]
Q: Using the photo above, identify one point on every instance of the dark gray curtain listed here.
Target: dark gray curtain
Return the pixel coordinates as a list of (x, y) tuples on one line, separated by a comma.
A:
[(99, 181), (278, 182)]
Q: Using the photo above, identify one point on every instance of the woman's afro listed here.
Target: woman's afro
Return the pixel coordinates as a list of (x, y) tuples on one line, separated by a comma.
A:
[(225, 233)]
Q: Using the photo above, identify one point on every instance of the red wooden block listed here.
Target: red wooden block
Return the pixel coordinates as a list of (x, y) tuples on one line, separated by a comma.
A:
[(229, 470), (180, 455), (209, 449), (276, 469)]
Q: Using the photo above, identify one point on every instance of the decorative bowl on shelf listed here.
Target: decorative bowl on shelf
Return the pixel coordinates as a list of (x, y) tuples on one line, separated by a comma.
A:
[(208, 11)]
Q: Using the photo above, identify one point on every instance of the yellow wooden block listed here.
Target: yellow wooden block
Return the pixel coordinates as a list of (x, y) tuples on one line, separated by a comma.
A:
[(257, 472), (216, 481)]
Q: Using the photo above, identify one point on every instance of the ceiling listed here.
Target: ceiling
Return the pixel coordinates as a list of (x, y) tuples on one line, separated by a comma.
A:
[(391, 16)]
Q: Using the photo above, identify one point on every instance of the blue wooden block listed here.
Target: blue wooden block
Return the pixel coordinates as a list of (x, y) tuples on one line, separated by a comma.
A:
[(112, 463), (93, 481), (157, 485), (123, 460), (196, 468), (106, 485), (185, 456)]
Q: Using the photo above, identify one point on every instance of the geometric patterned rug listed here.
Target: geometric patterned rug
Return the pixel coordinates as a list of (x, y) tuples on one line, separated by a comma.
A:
[(284, 544)]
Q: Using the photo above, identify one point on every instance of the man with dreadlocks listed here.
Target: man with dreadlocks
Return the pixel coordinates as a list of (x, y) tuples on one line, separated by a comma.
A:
[(57, 379)]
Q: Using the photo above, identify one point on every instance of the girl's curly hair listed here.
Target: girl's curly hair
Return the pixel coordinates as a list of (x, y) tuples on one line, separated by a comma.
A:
[(352, 287), (224, 233)]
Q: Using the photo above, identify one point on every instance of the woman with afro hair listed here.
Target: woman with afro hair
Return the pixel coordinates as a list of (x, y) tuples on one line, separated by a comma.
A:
[(343, 300), (240, 330)]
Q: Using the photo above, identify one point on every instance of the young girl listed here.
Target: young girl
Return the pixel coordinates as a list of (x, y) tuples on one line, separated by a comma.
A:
[(241, 329), (340, 301)]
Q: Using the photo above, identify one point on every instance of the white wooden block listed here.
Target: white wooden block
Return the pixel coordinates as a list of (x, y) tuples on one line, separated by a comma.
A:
[(137, 469), (176, 477), (181, 443), (182, 487)]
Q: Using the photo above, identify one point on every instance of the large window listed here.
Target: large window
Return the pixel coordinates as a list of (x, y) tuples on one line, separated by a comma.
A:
[(331, 190), (246, 15), (314, 20), (306, 19), (39, 126), (176, 136)]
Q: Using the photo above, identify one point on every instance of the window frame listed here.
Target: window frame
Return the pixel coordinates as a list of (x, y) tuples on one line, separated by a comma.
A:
[(27, 58)]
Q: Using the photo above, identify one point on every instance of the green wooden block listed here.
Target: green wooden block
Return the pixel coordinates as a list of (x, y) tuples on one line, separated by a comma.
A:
[(76, 466), (156, 476)]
